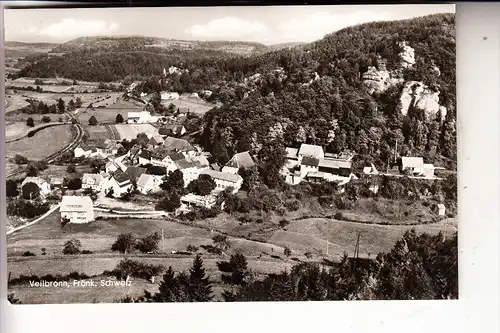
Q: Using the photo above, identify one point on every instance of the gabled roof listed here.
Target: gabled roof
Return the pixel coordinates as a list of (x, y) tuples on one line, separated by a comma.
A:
[(175, 144), (36, 180), (56, 180), (146, 154), (241, 160), (134, 173), (412, 162), (176, 156), (334, 163), (310, 150), (215, 166), (72, 203), (84, 146), (146, 179), (184, 164), (138, 114), (134, 150), (121, 177), (222, 175), (310, 161), (201, 159), (95, 176), (157, 140)]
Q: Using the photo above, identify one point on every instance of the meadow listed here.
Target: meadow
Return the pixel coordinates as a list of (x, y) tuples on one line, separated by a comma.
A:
[(129, 132)]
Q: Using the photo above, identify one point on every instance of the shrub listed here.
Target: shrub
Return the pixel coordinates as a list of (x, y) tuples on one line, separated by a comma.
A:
[(72, 246), (308, 255), (124, 243), (191, 248), (28, 254), (93, 121), (339, 216), (11, 188), (119, 119), (287, 252), (30, 122), (284, 222), (71, 169), (18, 159), (87, 252), (46, 119), (149, 243)]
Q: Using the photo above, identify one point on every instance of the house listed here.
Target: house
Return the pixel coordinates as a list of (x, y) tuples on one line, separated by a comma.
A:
[(144, 157), (189, 169), (93, 181), (56, 182), (370, 170), (177, 145), (182, 111), (134, 173), (292, 158), (191, 199), (201, 160), (335, 167), (417, 167), (441, 209), (238, 161), (224, 180), (83, 150), (310, 151), (166, 159), (156, 140), (78, 209), (141, 117), (42, 184), (119, 183), (309, 164), (215, 166), (116, 163), (149, 183), (106, 147), (176, 129), (169, 96)]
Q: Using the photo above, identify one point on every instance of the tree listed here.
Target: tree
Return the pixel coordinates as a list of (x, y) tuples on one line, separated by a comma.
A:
[(174, 182), (200, 288), (91, 193), (41, 165), (11, 297), (31, 171), (46, 119), (287, 252), (119, 119), (124, 243), (149, 243), (44, 251), (61, 108), (18, 159), (204, 185), (221, 242), (71, 169), (74, 183), (93, 121), (11, 188), (72, 246), (30, 122), (170, 202), (78, 102), (237, 268), (30, 191)]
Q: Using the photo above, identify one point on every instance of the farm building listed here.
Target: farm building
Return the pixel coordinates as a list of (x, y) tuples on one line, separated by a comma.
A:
[(84, 150), (42, 184), (207, 201), (224, 180), (116, 163), (177, 145), (370, 170), (106, 147), (78, 209), (239, 161), (144, 157), (176, 129), (149, 183), (189, 169), (142, 117), (310, 151), (93, 181)]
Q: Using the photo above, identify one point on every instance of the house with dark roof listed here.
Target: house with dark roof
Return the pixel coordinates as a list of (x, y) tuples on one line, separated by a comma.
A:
[(144, 157), (239, 161), (156, 140), (190, 170), (56, 182), (178, 145), (308, 164), (134, 173), (335, 167), (119, 184)]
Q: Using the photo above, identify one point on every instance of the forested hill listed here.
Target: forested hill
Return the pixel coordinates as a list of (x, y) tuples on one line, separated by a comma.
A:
[(368, 88)]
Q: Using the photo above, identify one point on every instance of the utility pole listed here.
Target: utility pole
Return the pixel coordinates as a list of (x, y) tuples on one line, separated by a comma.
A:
[(396, 151), (162, 241), (327, 247)]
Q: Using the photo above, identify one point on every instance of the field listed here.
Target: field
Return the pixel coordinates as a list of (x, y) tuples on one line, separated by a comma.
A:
[(130, 131), (19, 117), (195, 105), (54, 85), (96, 133), (44, 143)]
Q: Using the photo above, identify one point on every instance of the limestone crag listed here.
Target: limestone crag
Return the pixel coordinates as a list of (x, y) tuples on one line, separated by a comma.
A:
[(407, 55), (418, 95), (379, 80)]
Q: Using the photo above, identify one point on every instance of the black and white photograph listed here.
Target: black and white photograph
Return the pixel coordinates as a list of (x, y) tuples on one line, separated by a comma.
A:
[(231, 154)]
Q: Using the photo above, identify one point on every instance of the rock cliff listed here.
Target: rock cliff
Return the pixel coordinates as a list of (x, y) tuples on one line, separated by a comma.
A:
[(418, 95)]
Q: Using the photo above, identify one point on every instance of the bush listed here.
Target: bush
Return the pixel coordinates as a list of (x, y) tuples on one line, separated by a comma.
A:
[(93, 121), (72, 246), (149, 243), (46, 119), (191, 248), (287, 252), (308, 255), (27, 209), (41, 165), (11, 188), (119, 119), (30, 122), (28, 254), (71, 169), (284, 222), (18, 159), (124, 243), (87, 252), (339, 216)]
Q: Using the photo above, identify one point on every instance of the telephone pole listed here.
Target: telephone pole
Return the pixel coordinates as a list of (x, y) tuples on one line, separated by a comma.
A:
[(162, 242)]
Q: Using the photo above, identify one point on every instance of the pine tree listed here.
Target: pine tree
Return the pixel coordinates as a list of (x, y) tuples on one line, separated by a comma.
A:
[(200, 288), (169, 288)]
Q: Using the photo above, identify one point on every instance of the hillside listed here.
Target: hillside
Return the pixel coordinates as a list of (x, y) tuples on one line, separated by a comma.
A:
[(21, 50)]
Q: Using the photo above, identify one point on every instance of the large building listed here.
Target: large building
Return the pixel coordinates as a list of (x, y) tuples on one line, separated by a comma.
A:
[(237, 162), (224, 180), (78, 209)]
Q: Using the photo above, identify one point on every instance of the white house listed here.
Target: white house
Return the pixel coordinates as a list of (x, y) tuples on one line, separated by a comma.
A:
[(119, 183), (93, 181), (417, 167), (370, 170), (116, 163), (169, 96), (149, 183), (189, 169), (308, 164), (83, 150), (106, 147), (166, 159), (441, 209), (78, 209), (224, 180), (144, 157), (310, 151), (42, 184), (156, 140), (141, 117), (238, 161)]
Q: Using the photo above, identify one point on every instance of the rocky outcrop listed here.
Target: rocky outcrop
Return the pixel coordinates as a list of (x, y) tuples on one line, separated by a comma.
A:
[(418, 95), (407, 55), (378, 80)]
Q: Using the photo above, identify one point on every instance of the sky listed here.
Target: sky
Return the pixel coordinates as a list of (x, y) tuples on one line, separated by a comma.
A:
[(266, 24)]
